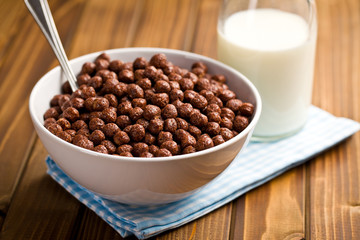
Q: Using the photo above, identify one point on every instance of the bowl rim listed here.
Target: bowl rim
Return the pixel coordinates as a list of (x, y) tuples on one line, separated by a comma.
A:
[(153, 50)]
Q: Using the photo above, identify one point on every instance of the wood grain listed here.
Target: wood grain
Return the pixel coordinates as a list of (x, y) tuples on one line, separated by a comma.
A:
[(11, 25), (333, 191), (273, 211), (102, 27), (165, 24), (38, 204), (205, 32), (215, 225), (16, 131)]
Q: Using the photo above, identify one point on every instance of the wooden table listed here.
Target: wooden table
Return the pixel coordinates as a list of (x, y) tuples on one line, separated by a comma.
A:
[(317, 200)]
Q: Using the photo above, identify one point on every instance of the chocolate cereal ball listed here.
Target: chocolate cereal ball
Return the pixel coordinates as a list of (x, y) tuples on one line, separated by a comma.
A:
[(185, 110), (212, 128), (240, 123), (110, 129), (51, 113), (227, 113), (83, 141), (218, 139), (139, 102), (226, 123), (189, 149), (140, 63), (153, 149), (64, 123), (204, 142), (121, 138), (151, 111), (126, 154), (49, 121), (169, 111), (124, 108), (160, 99), (144, 83), (88, 67), (54, 128), (156, 125), (170, 125), (150, 72), (199, 101), (187, 140), (149, 139), (139, 148), (83, 131), (135, 91), (226, 134), (171, 146), (158, 60), (142, 121), (198, 119), (163, 152), (109, 115), (163, 137), (124, 148), (136, 113), (96, 124), (137, 132), (97, 137), (246, 109), (176, 94), (146, 155), (64, 136), (162, 86), (214, 117), (110, 146), (126, 76), (101, 149), (234, 104)]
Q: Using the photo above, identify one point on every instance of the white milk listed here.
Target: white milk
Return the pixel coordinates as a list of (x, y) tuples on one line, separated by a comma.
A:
[(273, 49)]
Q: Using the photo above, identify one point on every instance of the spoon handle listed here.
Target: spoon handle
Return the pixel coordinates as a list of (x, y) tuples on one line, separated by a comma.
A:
[(40, 10)]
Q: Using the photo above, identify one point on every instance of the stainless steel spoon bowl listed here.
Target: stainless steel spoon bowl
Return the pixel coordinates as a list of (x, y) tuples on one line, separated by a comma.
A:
[(40, 10)]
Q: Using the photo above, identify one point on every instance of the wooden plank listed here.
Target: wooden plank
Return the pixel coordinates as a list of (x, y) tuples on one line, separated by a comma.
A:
[(18, 74), (164, 23), (205, 38), (38, 210), (334, 196), (273, 211), (93, 227), (11, 24), (214, 225), (106, 26)]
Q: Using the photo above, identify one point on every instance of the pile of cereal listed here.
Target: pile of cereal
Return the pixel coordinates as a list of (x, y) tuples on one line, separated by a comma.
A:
[(146, 108)]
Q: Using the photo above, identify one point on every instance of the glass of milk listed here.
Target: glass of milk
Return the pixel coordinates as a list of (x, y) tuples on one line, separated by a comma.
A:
[(272, 42)]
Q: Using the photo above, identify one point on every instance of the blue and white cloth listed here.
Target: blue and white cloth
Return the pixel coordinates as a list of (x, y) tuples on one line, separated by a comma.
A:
[(257, 164)]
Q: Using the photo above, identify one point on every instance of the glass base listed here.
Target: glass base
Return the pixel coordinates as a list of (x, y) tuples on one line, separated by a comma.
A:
[(258, 138)]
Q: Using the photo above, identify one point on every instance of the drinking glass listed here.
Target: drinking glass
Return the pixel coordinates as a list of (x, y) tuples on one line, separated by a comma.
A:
[(272, 42)]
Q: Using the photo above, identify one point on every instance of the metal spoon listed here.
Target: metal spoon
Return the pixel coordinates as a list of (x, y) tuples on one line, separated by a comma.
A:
[(40, 10)]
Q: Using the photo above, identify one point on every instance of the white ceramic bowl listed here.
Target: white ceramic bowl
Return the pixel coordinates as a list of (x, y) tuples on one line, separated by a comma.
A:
[(142, 181)]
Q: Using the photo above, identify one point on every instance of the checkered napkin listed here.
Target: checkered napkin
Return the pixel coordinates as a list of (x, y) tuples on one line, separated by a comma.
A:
[(257, 164)]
